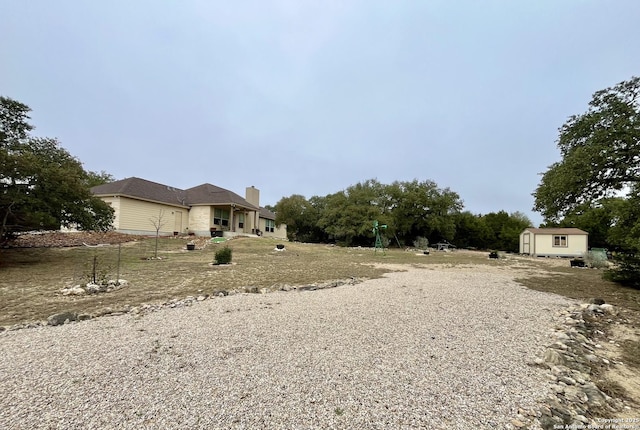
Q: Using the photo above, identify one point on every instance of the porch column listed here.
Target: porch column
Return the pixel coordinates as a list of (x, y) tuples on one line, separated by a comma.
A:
[(233, 226), (255, 221)]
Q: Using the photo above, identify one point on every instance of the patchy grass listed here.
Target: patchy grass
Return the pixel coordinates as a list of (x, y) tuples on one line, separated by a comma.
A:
[(631, 353), (611, 389), (31, 278), (583, 284)]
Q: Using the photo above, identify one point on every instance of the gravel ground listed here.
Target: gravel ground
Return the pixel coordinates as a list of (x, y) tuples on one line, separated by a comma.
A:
[(439, 349)]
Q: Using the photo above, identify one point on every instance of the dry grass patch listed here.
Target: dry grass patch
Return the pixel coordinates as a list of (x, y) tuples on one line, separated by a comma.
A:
[(31, 278)]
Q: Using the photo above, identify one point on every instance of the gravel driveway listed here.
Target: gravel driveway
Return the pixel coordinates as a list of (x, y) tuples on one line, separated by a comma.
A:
[(426, 348)]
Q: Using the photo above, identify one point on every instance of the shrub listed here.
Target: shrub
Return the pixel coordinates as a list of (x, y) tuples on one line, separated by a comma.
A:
[(597, 260), (627, 271), (385, 241), (223, 256), (421, 243)]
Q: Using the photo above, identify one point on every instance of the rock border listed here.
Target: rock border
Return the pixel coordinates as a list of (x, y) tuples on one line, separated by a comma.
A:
[(67, 317), (574, 400)]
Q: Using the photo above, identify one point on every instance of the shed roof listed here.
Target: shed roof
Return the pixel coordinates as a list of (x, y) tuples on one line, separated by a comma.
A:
[(143, 189), (556, 230)]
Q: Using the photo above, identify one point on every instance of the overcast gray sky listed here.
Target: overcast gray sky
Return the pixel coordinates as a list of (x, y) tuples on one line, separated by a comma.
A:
[(309, 97)]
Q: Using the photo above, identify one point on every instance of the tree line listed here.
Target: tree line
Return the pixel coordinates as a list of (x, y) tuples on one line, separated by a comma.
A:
[(410, 210)]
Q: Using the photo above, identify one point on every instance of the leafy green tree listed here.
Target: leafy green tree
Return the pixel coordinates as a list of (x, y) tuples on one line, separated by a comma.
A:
[(597, 219), (624, 232), (292, 211), (42, 185), (471, 231), (348, 215), (600, 152), (301, 217), (505, 230), (421, 208), (98, 178), (510, 232)]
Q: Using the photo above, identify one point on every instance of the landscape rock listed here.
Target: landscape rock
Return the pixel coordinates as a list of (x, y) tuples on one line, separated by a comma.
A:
[(76, 290), (573, 396), (62, 318), (607, 309), (594, 308), (552, 356), (94, 288)]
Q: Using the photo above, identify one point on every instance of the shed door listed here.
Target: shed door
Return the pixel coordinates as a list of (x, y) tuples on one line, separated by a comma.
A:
[(525, 244)]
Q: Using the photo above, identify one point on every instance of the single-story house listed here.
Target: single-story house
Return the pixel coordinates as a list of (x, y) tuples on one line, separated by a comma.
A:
[(554, 242), (140, 206)]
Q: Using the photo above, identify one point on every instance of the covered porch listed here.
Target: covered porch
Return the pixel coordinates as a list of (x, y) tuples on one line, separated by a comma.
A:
[(232, 220)]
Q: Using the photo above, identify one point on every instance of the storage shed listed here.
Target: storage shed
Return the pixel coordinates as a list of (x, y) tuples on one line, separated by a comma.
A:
[(554, 242)]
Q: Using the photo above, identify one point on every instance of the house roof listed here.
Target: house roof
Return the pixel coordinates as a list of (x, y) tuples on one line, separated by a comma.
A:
[(568, 230), (207, 194), (143, 189), (266, 213)]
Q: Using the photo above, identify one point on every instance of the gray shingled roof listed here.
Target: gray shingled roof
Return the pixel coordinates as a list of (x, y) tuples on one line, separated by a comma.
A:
[(266, 213), (557, 230), (143, 189), (207, 194)]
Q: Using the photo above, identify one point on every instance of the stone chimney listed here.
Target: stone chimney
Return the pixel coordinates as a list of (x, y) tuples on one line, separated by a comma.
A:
[(253, 195)]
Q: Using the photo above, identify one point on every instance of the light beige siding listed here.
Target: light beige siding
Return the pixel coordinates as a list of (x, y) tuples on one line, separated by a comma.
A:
[(138, 216), (576, 245), (114, 202), (543, 243)]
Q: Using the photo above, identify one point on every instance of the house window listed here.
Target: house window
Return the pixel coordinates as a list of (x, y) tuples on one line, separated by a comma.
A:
[(560, 241), (241, 220), (269, 225), (221, 217)]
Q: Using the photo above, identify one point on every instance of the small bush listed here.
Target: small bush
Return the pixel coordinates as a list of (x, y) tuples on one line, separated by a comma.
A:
[(385, 241), (223, 256), (597, 260), (421, 243)]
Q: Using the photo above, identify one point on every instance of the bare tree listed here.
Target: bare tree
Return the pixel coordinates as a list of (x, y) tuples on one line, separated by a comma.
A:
[(158, 222)]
